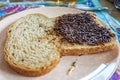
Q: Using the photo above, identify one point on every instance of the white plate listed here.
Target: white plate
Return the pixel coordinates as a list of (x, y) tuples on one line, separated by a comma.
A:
[(87, 67)]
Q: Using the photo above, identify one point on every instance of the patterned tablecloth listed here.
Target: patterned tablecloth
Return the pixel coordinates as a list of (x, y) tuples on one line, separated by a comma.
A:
[(11, 8)]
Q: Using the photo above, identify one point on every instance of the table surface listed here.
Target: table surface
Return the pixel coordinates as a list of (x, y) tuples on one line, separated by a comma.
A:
[(112, 10)]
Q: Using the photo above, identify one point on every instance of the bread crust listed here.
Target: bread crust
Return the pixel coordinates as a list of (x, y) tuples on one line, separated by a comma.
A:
[(71, 49), (64, 50), (31, 72), (88, 49)]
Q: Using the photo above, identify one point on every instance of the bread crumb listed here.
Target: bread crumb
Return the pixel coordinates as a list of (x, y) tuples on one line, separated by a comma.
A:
[(72, 68)]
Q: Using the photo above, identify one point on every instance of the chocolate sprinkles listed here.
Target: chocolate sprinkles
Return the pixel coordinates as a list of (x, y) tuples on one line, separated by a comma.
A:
[(82, 28)]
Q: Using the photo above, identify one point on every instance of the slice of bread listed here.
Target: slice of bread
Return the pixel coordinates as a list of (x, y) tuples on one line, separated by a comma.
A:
[(76, 49), (30, 48), (68, 48)]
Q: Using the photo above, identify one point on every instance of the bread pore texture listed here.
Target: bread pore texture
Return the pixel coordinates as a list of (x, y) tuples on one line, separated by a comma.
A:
[(30, 48), (35, 42)]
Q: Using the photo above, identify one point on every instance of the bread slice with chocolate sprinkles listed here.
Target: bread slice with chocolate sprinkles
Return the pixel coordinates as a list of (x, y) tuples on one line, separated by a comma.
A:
[(34, 43), (83, 33)]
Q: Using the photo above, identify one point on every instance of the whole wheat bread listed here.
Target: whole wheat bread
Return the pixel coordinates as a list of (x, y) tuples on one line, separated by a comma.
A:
[(78, 49), (30, 48)]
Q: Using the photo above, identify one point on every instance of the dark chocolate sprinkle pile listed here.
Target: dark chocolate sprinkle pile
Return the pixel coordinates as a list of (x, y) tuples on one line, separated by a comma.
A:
[(80, 28)]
